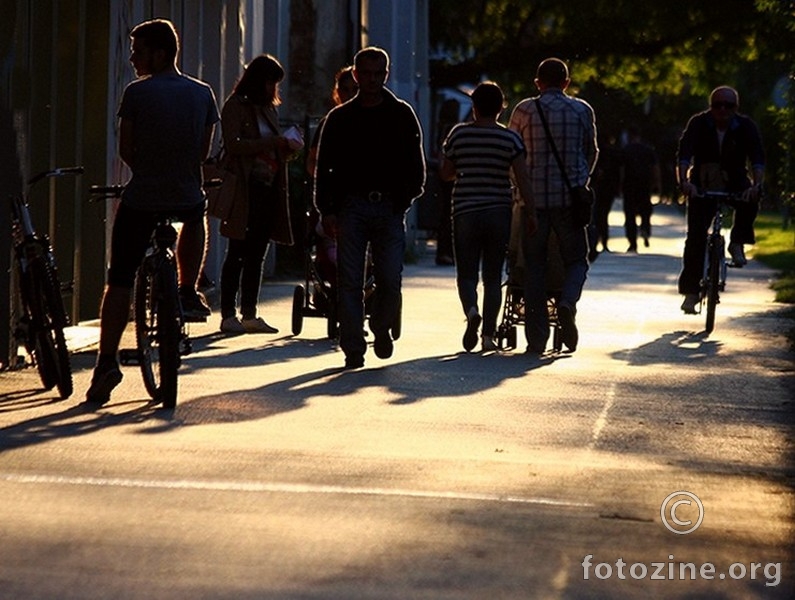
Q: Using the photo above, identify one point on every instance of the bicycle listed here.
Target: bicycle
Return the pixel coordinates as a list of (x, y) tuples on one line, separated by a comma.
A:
[(713, 279), (40, 327), (161, 334)]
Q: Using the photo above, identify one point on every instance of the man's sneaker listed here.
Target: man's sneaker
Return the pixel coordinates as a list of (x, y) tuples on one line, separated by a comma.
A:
[(471, 334), (487, 344), (689, 304), (354, 361), (738, 254), (194, 305), (105, 378), (568, 328), (383, 345), (232, 325), (257, 325)]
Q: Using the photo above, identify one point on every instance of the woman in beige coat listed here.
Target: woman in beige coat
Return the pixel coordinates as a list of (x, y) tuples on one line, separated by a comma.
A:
[(257, 154)]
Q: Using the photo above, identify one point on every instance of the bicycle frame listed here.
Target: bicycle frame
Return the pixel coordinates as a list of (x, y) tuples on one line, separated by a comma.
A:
[(160, 324), (713, 280)]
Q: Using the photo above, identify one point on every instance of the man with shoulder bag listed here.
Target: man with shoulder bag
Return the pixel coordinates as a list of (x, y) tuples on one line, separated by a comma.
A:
[(559, 132)]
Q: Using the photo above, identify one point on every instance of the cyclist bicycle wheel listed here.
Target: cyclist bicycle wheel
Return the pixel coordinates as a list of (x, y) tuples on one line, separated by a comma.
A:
[(713, 281), (48, 319), (157, 330)]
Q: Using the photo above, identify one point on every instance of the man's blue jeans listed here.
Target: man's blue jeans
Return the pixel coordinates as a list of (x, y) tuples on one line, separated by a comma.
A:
[(481, 242), (361, 222), (573, 245)]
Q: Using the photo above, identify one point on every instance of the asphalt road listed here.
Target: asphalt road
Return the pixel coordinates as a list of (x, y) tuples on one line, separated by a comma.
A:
[(434, 474)]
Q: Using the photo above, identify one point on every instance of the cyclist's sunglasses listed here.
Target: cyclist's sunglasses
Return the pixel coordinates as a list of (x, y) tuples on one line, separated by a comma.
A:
[(726, 105)]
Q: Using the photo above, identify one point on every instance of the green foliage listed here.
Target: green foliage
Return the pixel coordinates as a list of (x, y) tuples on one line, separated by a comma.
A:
[(775, 247), (649, 62)]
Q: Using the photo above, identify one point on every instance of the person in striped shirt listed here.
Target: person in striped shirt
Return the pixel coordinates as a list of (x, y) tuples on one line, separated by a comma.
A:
[(479, 156)]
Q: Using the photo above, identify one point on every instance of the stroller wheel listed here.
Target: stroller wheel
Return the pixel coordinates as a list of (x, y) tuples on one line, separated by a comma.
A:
[(332, 326), (299, 295), (395, 330), (557, 338), (510, 338)]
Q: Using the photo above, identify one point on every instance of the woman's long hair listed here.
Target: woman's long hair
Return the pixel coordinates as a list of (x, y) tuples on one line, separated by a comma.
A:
[(264, 68)]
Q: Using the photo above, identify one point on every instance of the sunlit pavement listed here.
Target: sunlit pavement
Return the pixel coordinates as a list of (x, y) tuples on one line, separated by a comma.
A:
[(432, 474)]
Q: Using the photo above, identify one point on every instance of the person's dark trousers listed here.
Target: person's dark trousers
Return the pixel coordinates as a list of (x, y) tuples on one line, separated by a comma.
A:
[(602, 207), (444, 242), (242, 267), (481, 237), (573, 249), (637, 204), (361, 222), (699, 216)]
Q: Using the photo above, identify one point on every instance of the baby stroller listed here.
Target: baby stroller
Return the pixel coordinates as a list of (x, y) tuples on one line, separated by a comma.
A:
[(513, 312), (317, 296)]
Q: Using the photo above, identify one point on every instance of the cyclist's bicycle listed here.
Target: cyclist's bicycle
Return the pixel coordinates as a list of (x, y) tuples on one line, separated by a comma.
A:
[(161, 335), (43, 317), (713, 279)]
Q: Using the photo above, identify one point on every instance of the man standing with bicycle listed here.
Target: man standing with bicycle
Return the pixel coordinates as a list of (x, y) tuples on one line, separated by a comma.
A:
[(166, 126), (714, 153)]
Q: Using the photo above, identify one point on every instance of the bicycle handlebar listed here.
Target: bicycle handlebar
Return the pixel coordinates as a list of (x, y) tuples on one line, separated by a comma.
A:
[(114, 191), (714, 195), (107, 191), (56, 173)]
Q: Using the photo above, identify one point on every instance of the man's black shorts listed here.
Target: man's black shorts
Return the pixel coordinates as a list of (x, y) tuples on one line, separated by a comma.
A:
[(132, 231)]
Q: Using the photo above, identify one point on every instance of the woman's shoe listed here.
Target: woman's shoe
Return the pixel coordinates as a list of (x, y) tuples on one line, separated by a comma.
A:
[(257, 325), (232, 325), (471, 334)]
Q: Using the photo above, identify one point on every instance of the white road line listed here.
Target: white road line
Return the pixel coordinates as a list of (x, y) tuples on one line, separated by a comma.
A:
[(275, 487), (601, 420)]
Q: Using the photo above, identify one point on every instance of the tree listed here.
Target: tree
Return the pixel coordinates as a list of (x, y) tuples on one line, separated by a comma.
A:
[(655, 61)]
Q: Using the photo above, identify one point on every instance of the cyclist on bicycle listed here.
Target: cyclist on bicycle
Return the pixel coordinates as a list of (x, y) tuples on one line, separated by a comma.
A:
[(167, 121), (716, 147)]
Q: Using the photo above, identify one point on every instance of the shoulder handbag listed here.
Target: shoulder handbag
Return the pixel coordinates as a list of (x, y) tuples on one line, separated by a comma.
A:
[(222, 184), (582, 197)]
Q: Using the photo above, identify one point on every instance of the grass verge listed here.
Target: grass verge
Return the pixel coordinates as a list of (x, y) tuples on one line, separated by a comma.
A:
[(775, 248)]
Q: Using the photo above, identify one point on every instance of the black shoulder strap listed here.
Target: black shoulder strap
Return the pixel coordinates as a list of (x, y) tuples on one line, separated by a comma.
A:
[(551, 142)]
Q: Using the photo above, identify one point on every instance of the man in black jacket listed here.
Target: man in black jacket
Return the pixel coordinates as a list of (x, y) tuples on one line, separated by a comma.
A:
[(714, 153), (370, 168)]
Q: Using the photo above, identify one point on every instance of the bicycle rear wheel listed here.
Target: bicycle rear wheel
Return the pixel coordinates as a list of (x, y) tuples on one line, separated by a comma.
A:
[(48, 319), (713, 282), (157, 330)]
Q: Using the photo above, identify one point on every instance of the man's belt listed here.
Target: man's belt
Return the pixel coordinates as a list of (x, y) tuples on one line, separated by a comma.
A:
[(374, 196)]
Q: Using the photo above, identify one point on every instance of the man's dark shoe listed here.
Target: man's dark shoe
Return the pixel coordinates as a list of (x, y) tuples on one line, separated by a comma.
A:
[(194, 305), (105, 378), (354, 362), (568, 329), (382, 345), (535, 350)]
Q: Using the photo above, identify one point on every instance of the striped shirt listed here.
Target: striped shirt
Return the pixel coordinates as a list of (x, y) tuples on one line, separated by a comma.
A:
[(573, 127), (482, 158)]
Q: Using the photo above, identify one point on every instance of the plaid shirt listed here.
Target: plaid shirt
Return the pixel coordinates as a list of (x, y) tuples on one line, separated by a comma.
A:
[(573, 127)]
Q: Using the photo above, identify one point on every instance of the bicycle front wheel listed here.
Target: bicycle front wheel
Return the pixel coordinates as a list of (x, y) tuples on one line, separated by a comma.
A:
[(157, 330), (713, 282), (48, 319)]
